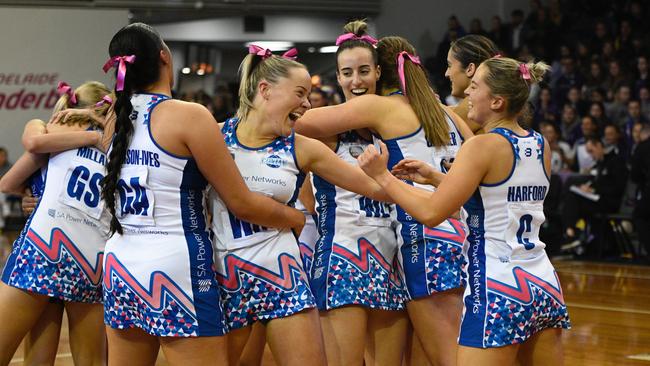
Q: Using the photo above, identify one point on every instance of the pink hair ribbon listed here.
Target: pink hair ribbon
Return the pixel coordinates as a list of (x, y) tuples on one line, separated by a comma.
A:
[(265, 53), (525, 73), (119, 62), (498, 55), (64, 88), (400, 66), (351, 36), (105, 100), (292, 54)]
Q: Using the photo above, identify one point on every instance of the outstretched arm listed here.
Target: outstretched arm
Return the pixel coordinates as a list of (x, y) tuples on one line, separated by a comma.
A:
[(15, 179), (361, 112), (429, 208), (315, 157), (36, 138)]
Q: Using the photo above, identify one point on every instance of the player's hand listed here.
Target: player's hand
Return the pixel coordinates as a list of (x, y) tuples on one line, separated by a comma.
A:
[(414, 170), (374, 162), (29, 202)]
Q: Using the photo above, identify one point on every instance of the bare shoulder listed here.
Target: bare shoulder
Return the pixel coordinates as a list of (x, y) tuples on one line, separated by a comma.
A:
[(181, 113)]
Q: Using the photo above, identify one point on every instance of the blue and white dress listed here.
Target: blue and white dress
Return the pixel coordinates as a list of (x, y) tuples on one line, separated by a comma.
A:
[(158, 275), (355, 257), (513, 290), (259, 269)]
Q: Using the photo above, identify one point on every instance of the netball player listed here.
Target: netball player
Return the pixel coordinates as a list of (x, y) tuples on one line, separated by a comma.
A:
[(463, 58), (159, 285), (409, 117), (259, 269), (357, 288), (58, 254), (514, 307)]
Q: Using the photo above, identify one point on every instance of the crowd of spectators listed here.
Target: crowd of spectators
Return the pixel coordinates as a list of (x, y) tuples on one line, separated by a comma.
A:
[(593, 107)]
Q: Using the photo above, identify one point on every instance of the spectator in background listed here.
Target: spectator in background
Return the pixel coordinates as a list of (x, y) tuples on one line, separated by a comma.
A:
[(570, 125), (562, 154), (476, 27), (583, 58), (222, 106), (636, 137), (615, 78), (623, 42), (640, 174), (634, 116), (608, 52), (595, 78), (498, 33), (597, 96), (601, 36), (5, 165), (644, 99), (568, 78), (614, 141), (583, 161), (597, 113), (609, 177), (516, 31), (641, 75), (545, 109), (574, 99), (318, 98), (617, 110)]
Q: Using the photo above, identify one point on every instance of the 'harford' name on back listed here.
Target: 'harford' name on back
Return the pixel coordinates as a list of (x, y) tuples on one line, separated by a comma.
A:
[(526, 193)]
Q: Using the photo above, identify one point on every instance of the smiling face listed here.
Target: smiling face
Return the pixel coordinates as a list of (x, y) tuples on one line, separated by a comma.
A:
[(357, 73), (287, 100), (458, 75), (481, 102)]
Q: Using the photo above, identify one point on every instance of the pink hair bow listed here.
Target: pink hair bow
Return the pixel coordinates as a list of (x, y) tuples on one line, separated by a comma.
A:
[(525, 73), (64, 88), (292, 54), (265, 53), (105, 100), (351, 36), (400, 66), (119, 62)]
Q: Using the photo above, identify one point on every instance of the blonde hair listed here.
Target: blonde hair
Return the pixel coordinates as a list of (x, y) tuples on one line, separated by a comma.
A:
[(88, 95), (419, 92), (254, 69), (505, 78)]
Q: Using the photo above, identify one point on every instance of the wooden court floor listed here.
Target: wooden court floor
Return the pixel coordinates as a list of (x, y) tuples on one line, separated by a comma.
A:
[(609, 307)]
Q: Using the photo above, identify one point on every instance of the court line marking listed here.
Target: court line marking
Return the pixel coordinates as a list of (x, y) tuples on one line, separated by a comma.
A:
[(60, 355), (607, 308), (605, 274), (640, 357)]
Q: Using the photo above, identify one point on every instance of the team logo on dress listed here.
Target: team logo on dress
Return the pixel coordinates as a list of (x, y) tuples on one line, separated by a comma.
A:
[(355, 150), (273, 161)]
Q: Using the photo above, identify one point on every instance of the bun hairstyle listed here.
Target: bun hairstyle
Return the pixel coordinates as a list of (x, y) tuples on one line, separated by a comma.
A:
[(255, 68), (473, 49), (511, 80), (87, 95), (359, 28), (145, 43), (420, 93)]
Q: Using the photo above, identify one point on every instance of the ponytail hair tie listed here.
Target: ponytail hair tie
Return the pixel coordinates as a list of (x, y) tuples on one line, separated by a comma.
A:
[(105, 100), (265, 53), (63, 88), (498, 55), (353, 37), (120, 63), (400, 66), (525, 72)]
